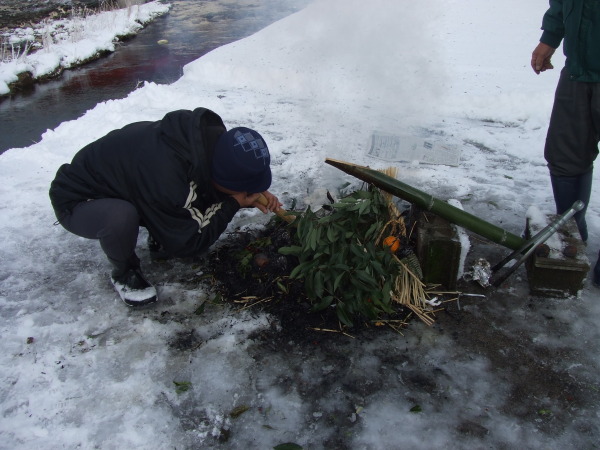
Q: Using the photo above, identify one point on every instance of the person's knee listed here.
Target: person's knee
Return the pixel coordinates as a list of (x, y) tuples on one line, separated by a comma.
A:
[(123, 218)]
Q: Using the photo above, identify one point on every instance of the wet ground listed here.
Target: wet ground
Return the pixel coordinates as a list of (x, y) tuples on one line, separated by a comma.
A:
[(529, 381)]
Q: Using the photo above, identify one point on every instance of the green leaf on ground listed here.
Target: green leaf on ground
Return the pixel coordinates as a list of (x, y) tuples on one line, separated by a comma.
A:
[(200, 309), (182, 386), (237, 412)]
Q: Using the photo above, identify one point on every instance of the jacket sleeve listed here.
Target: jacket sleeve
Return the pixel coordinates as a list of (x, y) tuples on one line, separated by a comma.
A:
[(553, 24), (191, 229)]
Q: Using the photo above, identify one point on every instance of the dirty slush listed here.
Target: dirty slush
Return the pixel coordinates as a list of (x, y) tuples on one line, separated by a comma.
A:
[(247, 272)]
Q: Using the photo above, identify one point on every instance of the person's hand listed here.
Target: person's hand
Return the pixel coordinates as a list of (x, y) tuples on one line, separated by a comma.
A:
[(273, 203), (245, 200), (540, 58)]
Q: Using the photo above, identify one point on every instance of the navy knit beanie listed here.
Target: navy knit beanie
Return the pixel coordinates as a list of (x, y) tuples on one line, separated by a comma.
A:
[(241, 161)]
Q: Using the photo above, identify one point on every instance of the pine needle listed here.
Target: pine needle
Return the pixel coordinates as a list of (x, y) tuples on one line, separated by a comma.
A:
[(267, 299)]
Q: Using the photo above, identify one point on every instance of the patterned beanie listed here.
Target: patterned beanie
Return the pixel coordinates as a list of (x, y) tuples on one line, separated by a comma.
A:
[(241, 161)]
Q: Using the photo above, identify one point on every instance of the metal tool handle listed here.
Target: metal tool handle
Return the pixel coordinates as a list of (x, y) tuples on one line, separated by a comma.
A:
[(532, 243)]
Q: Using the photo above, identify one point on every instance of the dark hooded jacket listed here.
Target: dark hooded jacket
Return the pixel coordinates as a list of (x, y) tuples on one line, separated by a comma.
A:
[(578, 23), (163, 168)]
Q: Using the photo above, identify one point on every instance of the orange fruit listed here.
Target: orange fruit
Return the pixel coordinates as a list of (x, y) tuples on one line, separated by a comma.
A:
[(392, 242)]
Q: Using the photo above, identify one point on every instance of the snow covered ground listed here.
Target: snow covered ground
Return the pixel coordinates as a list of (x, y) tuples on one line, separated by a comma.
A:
[(79, 369), (54, 45)]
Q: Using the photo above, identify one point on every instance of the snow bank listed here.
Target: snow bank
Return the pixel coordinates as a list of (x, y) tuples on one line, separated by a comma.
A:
[(69, 42)]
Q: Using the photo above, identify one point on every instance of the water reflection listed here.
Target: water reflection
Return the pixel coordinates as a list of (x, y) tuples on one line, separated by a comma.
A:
[(192, 29)]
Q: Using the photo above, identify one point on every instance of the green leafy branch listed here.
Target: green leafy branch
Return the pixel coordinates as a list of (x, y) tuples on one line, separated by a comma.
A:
[(339, 261)]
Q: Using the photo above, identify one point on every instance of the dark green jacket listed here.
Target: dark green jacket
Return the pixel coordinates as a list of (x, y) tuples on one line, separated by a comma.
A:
[(578, 23)]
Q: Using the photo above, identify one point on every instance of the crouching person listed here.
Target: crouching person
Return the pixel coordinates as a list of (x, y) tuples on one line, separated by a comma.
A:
[(183, 178)]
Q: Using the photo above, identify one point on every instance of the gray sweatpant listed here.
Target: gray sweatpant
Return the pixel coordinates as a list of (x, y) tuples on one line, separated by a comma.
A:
[(114, 222)]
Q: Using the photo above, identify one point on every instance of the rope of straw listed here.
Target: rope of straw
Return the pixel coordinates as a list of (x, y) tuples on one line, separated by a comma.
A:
[(408, 290)]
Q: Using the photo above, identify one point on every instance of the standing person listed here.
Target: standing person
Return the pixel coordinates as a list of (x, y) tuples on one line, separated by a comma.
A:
[(574, 130), (183, 178)]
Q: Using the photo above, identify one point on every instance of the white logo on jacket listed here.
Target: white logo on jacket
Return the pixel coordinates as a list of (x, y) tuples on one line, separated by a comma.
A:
[(202, 219)]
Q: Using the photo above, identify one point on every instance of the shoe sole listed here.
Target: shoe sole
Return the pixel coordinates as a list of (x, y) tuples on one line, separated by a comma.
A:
[(123, 294), (134, 304)]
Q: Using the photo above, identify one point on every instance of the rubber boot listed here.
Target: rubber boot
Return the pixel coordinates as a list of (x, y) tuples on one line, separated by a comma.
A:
[(567, 190)]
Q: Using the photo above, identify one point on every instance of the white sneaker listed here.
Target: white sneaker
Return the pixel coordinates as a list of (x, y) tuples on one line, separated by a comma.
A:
[(134, 289)]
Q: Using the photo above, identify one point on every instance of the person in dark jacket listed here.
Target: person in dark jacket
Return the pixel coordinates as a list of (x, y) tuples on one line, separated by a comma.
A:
[(574, 130), (183, 178)]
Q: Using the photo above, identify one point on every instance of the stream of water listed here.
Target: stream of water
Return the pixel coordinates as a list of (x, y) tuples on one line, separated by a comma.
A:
[(192, 29)]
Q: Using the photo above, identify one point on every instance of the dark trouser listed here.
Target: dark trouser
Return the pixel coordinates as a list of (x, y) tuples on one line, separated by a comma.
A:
[(572, 144), (574, 131), (567, 190), (114, 222)]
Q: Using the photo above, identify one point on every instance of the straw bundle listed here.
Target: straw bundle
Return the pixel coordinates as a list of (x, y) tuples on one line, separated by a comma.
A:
[(408, 289)]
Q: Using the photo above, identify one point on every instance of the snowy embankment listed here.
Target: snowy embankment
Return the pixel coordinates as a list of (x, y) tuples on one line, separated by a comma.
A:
[(80, 370), (54, 45)]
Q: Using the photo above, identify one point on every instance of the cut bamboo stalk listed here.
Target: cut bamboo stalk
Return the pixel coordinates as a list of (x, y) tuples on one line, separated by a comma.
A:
[(430, 203), (280, 212)]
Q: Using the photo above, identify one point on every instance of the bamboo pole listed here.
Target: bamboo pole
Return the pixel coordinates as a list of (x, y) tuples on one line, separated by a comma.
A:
[(430, 203)]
